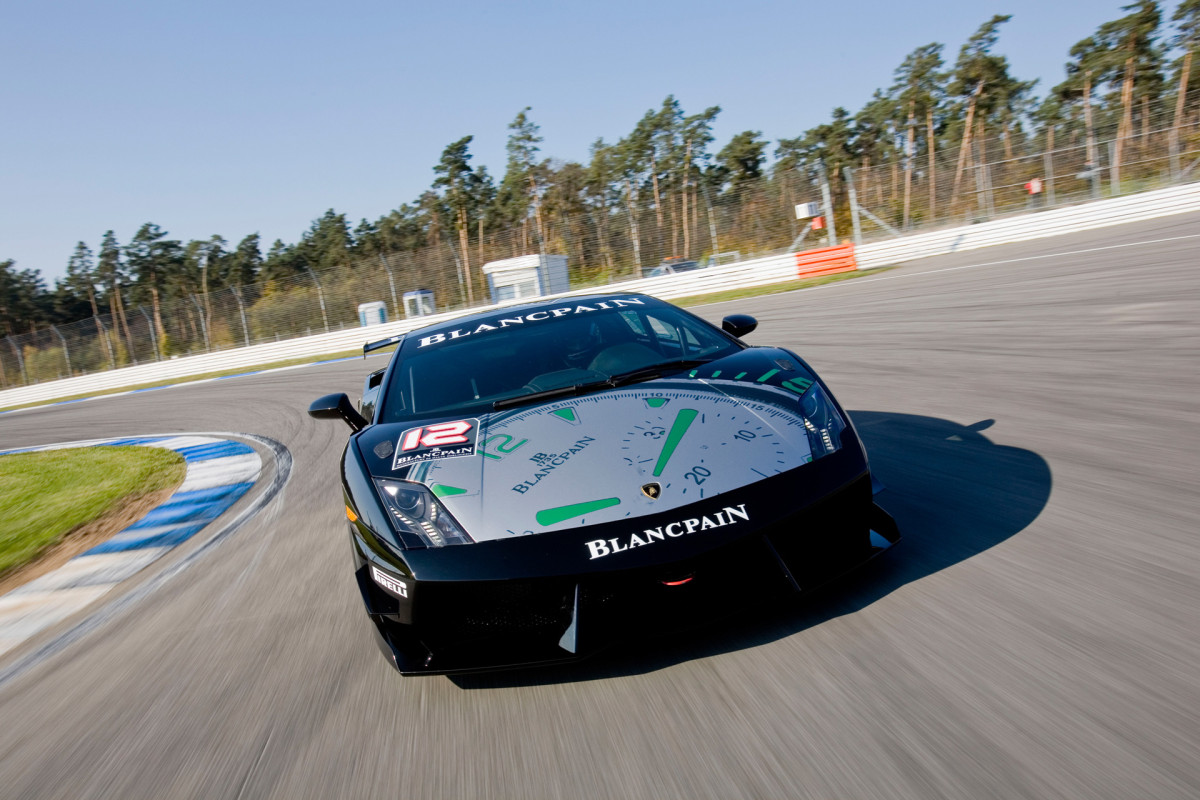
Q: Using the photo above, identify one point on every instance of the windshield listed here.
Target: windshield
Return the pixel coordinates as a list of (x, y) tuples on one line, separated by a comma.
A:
[(443, 373)]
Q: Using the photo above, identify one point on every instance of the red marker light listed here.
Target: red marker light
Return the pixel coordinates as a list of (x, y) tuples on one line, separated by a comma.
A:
[(679, 582)]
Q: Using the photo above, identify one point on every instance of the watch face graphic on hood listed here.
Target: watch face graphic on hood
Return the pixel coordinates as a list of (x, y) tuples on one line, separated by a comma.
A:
[(615, 455)]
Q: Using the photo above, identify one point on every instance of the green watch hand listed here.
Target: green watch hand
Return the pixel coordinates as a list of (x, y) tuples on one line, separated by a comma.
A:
[(553, 516), (683, 421)]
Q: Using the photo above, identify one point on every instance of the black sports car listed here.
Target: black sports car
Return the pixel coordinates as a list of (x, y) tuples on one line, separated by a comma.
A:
[(528, 484)]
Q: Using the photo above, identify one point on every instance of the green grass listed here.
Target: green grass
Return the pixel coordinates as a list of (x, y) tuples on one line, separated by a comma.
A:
[(45, 495)]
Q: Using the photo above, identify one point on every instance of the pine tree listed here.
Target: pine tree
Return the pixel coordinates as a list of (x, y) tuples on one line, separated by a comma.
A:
[(459, 185), (741, 160), (151, 258), (82, 278), (245, 262), (983, 85), (521, 187), (110, 270), (1187, 21), (918, 91)]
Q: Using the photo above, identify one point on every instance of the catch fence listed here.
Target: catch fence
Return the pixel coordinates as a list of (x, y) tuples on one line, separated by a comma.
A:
[(620, 236)]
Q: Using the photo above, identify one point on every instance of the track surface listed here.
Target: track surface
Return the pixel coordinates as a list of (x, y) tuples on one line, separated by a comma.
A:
[(1036, 635)]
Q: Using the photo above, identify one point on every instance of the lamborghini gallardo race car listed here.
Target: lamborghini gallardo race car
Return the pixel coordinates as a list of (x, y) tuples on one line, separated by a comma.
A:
[(532, 483)]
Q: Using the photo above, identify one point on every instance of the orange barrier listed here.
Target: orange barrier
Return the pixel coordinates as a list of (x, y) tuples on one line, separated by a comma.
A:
[(826, 261)]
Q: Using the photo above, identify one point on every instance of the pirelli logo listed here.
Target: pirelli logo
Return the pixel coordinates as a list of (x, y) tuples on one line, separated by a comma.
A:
[(393, 585)]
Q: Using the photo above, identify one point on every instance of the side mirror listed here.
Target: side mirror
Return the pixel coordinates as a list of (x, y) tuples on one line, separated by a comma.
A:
[(739, 324), (337, 406), (371, 387)]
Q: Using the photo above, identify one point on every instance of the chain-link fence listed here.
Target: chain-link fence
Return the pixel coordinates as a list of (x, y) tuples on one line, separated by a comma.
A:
[(988, 178), (619, 235)]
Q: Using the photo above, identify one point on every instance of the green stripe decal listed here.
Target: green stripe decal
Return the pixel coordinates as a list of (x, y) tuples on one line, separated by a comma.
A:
[(768, 375), (682, 422), (553, 516), (442, 490)]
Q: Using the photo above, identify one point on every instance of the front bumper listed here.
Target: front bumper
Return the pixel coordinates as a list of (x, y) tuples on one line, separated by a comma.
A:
[(476, 625)]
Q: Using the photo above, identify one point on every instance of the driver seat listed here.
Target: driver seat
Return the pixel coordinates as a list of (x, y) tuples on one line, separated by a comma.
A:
[(623, 358)]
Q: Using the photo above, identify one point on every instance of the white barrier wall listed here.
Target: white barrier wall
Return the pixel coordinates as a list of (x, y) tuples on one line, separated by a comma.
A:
[(755, 272), (1052, 222)]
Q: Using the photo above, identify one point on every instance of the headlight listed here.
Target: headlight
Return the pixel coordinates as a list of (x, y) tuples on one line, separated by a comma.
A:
[(822, 422), (414, 509)]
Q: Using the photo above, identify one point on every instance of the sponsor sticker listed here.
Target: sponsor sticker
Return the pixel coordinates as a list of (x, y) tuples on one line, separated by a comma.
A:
[(393, 585), (547, 463), (443, 440), (500, 322), (730, 515)]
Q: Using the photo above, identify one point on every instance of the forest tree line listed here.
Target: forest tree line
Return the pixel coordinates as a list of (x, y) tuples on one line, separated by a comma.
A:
[(657, 191)]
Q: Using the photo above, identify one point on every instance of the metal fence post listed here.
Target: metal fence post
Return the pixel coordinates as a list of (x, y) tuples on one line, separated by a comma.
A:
[(464, 291), (849, 173), (828, 204), (1114, 169), (991, 197), (203, 323), (320, 297), (153, 332), (391, 285), (1048, 168), (712, 226), (979, 201), (20, 359), (108, 348), (237, 296), (66, 353), (1173, 149)]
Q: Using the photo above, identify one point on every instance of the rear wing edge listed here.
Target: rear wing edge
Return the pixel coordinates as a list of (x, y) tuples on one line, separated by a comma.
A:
[(382, 343)]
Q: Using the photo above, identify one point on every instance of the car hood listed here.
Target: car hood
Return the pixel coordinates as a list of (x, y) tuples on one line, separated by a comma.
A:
[(610, 455)]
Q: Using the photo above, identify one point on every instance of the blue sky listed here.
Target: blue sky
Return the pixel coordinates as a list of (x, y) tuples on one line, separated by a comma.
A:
[(235, 117)]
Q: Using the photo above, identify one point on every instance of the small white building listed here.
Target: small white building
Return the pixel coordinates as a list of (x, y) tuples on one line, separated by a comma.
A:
[(418, 303), (373, 313), (526, 277)]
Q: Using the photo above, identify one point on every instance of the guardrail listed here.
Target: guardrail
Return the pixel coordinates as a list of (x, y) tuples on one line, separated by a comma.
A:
[(755, 272), (1034, 225)]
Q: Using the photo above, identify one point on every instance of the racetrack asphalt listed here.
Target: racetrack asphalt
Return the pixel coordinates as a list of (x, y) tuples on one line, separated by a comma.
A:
[(1033, 410)]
